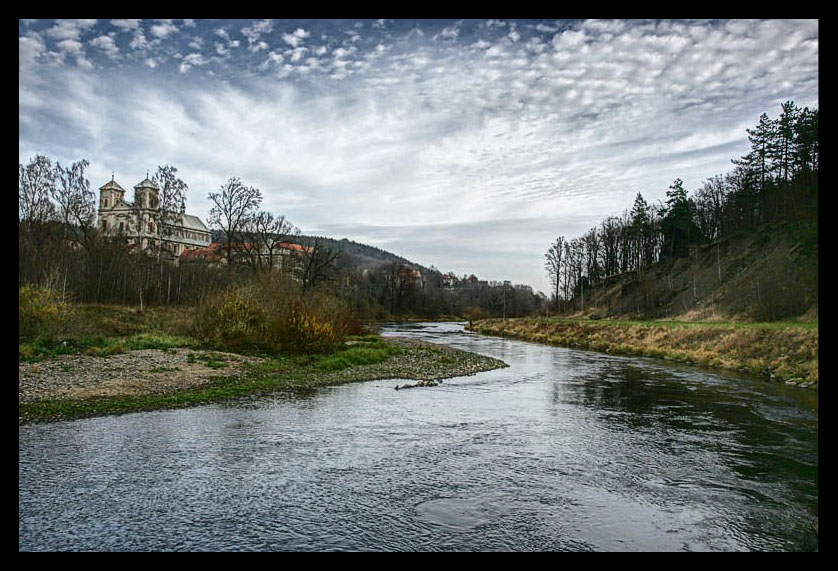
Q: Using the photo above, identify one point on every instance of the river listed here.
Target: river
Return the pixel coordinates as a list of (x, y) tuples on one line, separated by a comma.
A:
[(564, 450)]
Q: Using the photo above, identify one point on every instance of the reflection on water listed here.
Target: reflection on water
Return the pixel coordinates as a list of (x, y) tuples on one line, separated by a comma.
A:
[(564, 450)]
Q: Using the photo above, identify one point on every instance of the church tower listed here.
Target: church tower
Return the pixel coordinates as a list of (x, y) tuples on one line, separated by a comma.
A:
[(111, 200), (110, 194), (146, 194)]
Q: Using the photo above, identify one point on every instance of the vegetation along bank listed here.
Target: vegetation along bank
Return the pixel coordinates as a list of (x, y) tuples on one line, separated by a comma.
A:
[(786, 352), (81, 360)]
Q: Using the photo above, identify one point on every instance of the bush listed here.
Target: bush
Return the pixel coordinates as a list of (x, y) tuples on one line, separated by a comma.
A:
[(41, 316), (272, 315)]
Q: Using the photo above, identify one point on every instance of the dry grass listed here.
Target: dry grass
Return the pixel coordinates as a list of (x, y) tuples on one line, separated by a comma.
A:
[(785, 351)]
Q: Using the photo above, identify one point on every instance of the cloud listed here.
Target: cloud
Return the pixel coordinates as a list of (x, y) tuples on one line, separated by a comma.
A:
[(107, 45), (254, 33), (450, 33), (126, 25), (296, 38), (163, 29), (30, 48), (534, 136), (191, 60), (69, 29), (139, 41), (75, 49)]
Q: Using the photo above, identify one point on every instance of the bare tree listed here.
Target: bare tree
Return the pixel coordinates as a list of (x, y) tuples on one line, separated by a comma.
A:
[(554, 267), (36, 181), (234, 204), (318, 263), (269, 232), (167, 212), (76, 202)]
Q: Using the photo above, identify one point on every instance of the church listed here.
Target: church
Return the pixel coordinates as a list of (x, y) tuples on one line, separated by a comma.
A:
[(137, 220)]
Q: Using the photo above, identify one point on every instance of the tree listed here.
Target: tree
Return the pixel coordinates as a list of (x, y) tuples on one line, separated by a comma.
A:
[(36, 182), (76, 202), (261, 239), (317, 264), (677, 224), (641, 232), (783, 146), (609, 234), (806, 140), (234, 204), (553, 265), (171, 203)]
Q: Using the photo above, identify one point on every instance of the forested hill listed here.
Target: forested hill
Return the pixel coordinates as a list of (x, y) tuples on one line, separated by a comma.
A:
[(353, 256), (743, 245)]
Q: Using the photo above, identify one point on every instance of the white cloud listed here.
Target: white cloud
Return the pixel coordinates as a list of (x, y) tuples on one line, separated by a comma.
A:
[(163, 29), (191, 60), (30, 48), (454, 135), (76, 49), (254, 32), (450, 33), (107, 45), (296, 38), (139, 41), (126, 25), (69, 29)]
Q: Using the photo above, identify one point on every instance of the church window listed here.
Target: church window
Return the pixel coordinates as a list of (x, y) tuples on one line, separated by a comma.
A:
[(106, 203)]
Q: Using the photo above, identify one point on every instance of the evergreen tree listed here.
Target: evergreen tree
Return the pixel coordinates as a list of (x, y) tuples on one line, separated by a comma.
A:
[(677, 225)]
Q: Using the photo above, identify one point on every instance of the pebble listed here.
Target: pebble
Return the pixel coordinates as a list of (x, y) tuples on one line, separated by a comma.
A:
[(146, 371)]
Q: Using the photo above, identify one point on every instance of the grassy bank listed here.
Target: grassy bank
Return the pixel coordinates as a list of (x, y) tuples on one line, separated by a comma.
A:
[(782, 351), (361, 358)]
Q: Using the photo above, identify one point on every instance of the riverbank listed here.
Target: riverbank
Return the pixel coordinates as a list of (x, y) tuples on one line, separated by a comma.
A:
[(64, 387), (785, 352)]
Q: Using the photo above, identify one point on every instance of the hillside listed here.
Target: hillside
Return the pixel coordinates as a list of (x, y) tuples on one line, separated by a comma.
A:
[(356, 256), (766, 275), (353, 255)]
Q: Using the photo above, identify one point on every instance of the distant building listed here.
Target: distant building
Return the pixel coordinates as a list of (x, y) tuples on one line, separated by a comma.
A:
[(286, 256), (135, 220)]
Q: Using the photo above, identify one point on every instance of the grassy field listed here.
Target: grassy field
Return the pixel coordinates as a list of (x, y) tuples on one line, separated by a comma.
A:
[(783, 351)]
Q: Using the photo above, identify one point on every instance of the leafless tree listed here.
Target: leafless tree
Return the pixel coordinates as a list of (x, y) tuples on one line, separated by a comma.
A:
[(167, 212), (555, 256), (36, 182), (317, 264), (234, 205), (266, 233), (76, 203)]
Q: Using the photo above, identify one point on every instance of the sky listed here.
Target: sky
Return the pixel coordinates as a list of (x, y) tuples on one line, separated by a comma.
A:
[(469, 145)]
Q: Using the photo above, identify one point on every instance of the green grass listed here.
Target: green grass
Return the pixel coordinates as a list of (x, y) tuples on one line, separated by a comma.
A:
[(295, 373), (101, 345)]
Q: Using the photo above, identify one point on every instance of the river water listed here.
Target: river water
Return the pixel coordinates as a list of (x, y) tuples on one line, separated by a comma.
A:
[(563, 450)]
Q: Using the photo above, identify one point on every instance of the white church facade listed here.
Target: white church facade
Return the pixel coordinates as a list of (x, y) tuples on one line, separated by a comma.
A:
[(137, 222)]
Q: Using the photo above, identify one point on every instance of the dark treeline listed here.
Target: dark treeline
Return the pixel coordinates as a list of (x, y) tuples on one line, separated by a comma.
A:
[(776, 182), (61, 247)]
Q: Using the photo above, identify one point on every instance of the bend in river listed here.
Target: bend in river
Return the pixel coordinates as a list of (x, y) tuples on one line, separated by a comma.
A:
[(563, 450)]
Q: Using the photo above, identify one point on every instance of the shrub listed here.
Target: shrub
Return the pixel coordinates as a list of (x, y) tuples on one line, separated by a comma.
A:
[(41, 316), (272, 315)]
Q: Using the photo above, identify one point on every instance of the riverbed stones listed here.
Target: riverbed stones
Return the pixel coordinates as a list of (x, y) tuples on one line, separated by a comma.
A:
[(146, 371)]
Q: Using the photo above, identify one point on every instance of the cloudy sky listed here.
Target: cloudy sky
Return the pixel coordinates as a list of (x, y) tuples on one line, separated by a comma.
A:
[(466, 144)]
